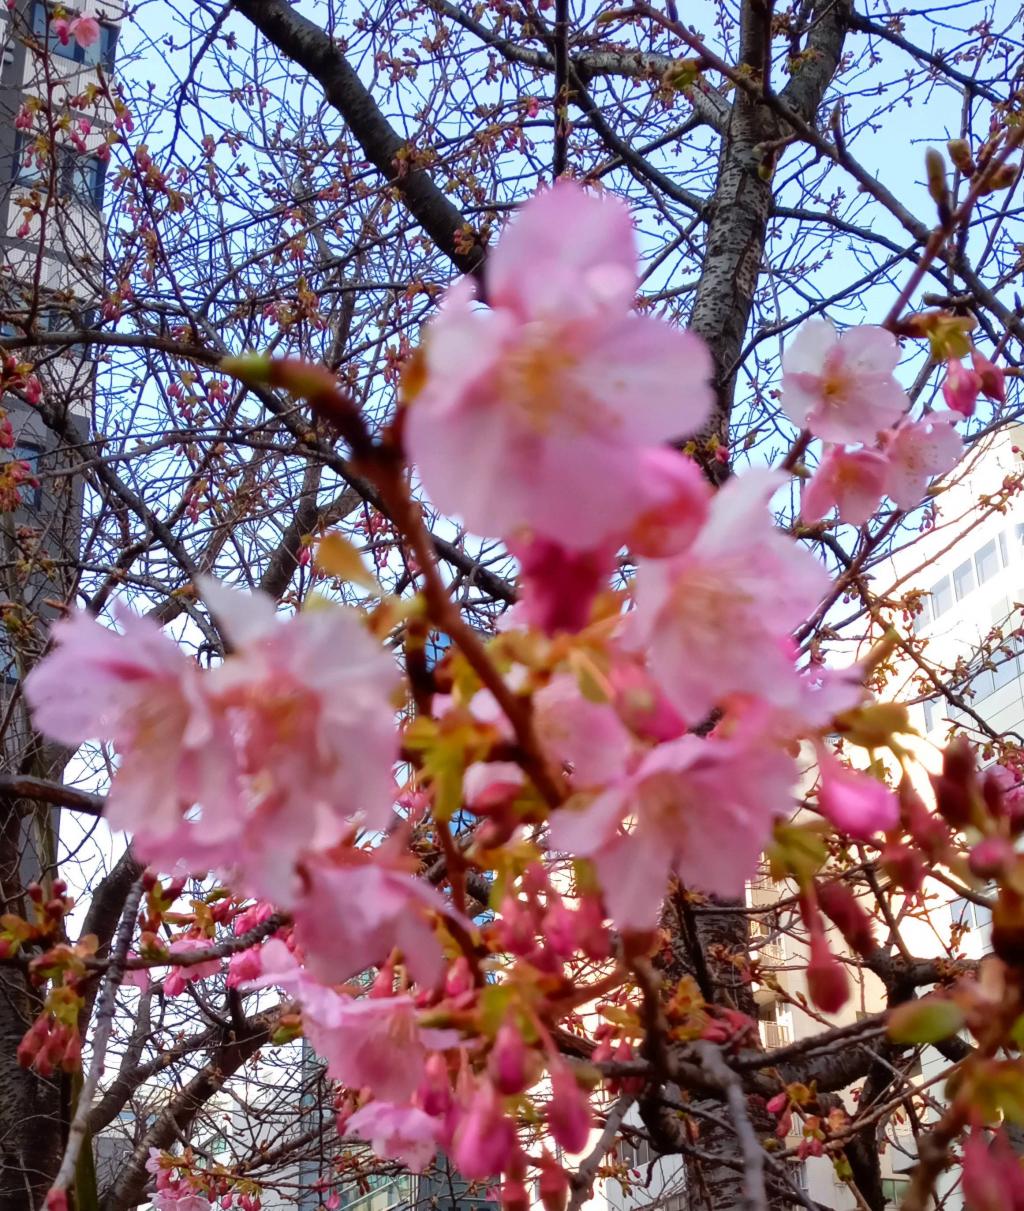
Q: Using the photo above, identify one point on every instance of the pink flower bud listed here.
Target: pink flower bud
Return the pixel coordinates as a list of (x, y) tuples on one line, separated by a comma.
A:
[(485, 1139), (826, 977), (514, 1195), (839, 904), (960, 390), (507, 1062), (992, 1177), (435, 1092), (554, 1187), (568, 1112), (991, 857), (991, 378)]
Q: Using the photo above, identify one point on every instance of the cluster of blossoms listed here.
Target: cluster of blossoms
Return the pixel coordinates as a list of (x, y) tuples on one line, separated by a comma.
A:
[(842, 388), (645, 732)]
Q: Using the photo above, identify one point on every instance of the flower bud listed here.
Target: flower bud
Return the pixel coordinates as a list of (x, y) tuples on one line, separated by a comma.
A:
[(840, 905), (554, 1187), (568, 1112), (960, 154), (990, 857), (827, 981), (507, 1062)]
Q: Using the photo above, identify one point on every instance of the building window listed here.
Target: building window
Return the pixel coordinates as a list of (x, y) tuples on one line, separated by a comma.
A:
[(942, 596), (1003, 552), (894, 1189), (637, 1156), (101, 51), (928, 706), (1007, 669), (986, 562), (963, 579), (967, 913), (924, 615), (79, 176)]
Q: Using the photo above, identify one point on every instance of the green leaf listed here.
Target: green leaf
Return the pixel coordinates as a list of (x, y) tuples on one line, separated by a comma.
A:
[(927, 1021)]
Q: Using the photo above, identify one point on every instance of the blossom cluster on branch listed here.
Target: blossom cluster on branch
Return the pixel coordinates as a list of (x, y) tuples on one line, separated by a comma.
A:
[(638, 719)]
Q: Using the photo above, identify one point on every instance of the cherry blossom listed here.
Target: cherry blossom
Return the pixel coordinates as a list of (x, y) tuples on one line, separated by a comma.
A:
[(917, 452), (701, 808), (555, 390), (588, 736), (400, 1133), (852, 481), (246, 766), (307, 702), (841, 387), (354, 914), (138, 690), (85, 30), (174, 984), (855, 802), (714, 619), (372, 1042)]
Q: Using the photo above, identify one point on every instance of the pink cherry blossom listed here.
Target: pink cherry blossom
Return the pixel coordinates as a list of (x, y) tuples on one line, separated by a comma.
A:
[(399, 1133), (841, 387), (307, 703), (702, 808), (62, 28), (353, 915), (252, 916), (677, 496), (851, 480), (917, 452), (715, 619), (247, 766), (587, 736), (856, 803), (960, 388), (489, 783), (139, 691), (368, 1043), (373, 1042), (174, 984), (554, 392), (85, 30)]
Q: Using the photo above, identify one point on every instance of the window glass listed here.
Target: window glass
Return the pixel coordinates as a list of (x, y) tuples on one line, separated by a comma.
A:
[(1003, 553), (1006, 669), (986, 562), (963, 579), (922, 619), (930, 714), (981, 685), (942, 596)]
